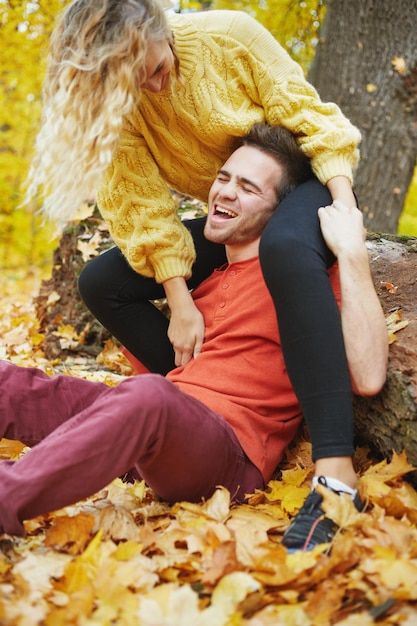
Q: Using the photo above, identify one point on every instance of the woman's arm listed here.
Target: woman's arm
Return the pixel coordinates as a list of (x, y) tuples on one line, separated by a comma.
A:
[(142, 217), (186, 326), (363, 323), (341, 190), (325, 134), (141, 213)]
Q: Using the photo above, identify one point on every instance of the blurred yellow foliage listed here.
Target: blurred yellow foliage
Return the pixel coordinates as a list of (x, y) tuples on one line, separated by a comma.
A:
[(25, 28)]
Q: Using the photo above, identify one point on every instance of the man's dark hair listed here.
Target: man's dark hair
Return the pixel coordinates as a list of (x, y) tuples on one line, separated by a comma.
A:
[(282, 145)]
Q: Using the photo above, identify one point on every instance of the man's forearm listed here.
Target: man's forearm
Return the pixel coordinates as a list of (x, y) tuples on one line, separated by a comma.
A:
[(364, 329), (363, 323)]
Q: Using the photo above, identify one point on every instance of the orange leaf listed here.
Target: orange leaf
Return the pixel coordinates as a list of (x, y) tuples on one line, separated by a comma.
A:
[(70, 534)]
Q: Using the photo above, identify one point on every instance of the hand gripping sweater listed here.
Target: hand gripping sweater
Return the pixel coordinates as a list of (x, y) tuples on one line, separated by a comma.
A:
[(233, 74)]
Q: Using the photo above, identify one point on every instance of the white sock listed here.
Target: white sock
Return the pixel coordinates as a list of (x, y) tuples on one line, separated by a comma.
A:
[(336, 485)]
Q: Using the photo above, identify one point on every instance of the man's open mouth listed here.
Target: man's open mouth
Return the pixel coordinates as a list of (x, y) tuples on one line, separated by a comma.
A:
[(227, 213)]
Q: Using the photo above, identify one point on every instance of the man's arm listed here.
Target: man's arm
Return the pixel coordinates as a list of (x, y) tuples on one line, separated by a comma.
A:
[(364, 328)]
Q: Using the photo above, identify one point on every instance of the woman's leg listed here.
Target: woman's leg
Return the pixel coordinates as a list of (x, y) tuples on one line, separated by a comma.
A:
[(120, 298), (181, 448), (294, 259)]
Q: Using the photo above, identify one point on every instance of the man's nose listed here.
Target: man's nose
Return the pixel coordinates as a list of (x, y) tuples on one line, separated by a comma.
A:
[(228, 190)]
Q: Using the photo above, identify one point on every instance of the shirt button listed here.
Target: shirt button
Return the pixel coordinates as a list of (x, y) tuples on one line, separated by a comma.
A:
[(222, 305), (233, 272), (225, 286)]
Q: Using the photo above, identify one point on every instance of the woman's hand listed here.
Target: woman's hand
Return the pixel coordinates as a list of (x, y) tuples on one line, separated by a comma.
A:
[(186, 327)]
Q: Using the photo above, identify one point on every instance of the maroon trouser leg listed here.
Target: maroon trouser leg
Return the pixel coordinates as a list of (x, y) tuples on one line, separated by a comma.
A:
[(85, 434)]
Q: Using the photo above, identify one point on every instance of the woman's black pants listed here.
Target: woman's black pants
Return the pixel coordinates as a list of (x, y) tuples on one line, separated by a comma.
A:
[(294, 260)]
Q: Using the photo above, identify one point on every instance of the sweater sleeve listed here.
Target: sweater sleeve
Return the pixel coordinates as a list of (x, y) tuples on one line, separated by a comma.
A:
[(141, 213), (288, 99)]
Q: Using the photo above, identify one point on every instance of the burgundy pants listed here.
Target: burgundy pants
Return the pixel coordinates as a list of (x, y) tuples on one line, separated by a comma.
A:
[(84, 434)]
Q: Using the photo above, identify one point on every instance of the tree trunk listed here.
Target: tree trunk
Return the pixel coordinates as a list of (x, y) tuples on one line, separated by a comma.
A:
[(58, 303), (388, 421), (366, 62)]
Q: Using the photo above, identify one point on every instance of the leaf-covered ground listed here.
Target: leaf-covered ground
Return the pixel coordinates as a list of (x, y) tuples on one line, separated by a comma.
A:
[(122, 557)]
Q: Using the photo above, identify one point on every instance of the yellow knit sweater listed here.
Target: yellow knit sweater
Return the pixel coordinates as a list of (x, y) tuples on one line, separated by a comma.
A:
[(234, 74)]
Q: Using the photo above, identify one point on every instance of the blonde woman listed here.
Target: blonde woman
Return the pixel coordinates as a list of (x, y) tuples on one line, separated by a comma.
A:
[(138, 101)]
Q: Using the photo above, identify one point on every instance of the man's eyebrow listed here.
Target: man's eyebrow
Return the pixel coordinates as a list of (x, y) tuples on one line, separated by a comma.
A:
[(247, 181), (241, 179)]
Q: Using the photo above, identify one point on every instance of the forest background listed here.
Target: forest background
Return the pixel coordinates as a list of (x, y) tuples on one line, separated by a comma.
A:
[(25, 27), (124, 557)]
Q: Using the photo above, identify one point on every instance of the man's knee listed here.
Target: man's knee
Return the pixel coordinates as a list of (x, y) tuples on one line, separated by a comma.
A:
[(150, 393)]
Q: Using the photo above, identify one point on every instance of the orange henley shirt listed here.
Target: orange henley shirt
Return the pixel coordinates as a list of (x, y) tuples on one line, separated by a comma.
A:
[(248, 385)]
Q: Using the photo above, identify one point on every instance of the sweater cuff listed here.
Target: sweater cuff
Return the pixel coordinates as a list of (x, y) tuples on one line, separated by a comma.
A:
[(338, 165), (172, 267)]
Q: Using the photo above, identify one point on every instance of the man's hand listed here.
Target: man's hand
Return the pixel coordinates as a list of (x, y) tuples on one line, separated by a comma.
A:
[(342, 228), (186, 327)]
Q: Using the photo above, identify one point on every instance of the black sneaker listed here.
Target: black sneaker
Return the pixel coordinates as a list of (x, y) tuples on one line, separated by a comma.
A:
[(310, 526)]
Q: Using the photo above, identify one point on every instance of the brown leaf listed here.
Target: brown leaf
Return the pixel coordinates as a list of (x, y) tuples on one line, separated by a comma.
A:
[(70, 534), (222, 562), (117, 523), (389, 286)]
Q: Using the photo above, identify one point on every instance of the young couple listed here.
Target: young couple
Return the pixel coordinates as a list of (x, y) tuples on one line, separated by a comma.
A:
[(225, 416)]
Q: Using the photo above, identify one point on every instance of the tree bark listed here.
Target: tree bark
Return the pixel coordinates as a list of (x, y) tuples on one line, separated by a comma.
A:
[(388, 421), (366, 62), (58, 302)]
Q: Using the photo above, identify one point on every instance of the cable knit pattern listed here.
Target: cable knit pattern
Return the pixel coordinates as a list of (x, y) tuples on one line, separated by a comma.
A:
[(233, 74)]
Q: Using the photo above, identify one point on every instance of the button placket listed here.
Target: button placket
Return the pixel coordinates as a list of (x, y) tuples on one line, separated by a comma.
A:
[(223, 294)]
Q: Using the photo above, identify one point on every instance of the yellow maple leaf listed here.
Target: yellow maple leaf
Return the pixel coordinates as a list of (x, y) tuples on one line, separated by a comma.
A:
[(89, 249), (291, 498), (399, 65), (11, 449), (396, 574), (396, 468), (84, 211), (112, 357), (53, 298), (399, 501), (233, 589), (37, 339), (377, 484), (66, 331), (394, 324), (126, 550), (340, 508), (216, 508), (296, 476)]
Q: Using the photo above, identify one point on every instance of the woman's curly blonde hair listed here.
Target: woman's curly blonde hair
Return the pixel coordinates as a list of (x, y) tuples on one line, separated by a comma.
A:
[(95, 70)]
